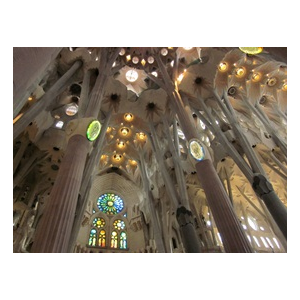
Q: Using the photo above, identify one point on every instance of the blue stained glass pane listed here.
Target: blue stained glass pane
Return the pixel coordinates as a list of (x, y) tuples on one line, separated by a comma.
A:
[(110, 204), (92, 238), (123, 240)]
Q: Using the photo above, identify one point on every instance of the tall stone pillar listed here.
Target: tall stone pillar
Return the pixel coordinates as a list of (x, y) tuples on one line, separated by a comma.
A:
[(233, 238), (157, 232), (264, 190), (216, 195), (189, 236), (54, 230)]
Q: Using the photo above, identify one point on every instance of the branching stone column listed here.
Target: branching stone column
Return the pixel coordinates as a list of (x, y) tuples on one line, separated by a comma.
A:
[(45, 101), (156, 228), (86, 181), (231, 231), (184, 215), (265, 191), (54, 230), (233, 237), (30, 65)]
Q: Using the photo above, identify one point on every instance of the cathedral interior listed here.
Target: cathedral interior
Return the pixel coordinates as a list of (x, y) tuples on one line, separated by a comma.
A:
[(149, 150)]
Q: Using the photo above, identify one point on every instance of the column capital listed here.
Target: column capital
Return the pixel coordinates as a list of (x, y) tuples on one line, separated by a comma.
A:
[(87, 127), (184, 216), (261, 185)]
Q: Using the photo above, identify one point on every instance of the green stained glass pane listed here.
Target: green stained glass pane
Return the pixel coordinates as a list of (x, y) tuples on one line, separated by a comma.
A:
[(119, 224), (123, 240), (99, 222), (110, 204), (92, 237)]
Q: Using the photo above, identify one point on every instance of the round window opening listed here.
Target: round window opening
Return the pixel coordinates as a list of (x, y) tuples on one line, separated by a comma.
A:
[(132, 75), (110, 203)]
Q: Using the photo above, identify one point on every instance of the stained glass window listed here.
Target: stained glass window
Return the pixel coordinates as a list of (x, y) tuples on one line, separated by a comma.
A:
[(119, 224), (114, 240), (123, 240), (99, 222), (101, 238), (110, 203), (93, 237)]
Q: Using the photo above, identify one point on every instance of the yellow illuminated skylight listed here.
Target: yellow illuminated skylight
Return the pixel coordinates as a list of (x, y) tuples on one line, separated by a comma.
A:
[(124, 131), (128, 117), (284, 87), (256, 77), (239, 72), (117, 157), (121, 144), (223, 66), (142, 136)]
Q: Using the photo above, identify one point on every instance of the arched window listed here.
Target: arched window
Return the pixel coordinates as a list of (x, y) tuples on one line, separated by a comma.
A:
[(93, 237), (123, 240), (120, 225), (109, 231), (101, 241), (114, 240), (97, 230)]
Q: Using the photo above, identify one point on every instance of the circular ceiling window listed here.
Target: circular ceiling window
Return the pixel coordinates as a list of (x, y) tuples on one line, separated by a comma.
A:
[(71, 109), (132, 75)]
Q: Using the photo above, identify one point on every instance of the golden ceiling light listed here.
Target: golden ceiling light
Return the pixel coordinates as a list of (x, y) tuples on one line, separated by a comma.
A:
[(117, 157), (223, 66), (103, 156), (271, 81), (128, 117), (133, 162), (284, 87), (142, 136), (256, 77), (30, 98), (17, 118), (121, 144), (128, 57), (124, 131), (180, 77), (239, 72), (108, 130), (143, 62)]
